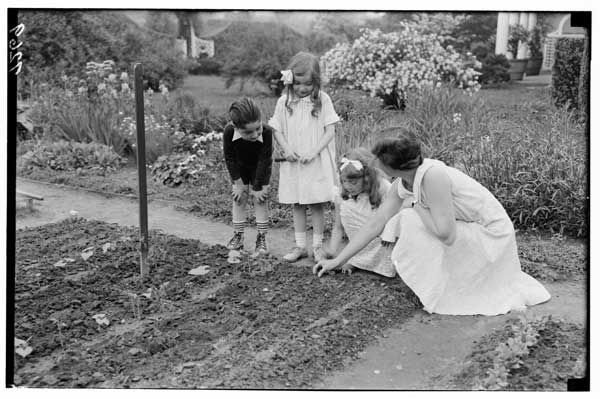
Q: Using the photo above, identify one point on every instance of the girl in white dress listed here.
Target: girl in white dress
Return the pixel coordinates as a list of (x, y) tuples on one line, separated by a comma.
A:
[(363, 189), (303, 122), (456, 247)]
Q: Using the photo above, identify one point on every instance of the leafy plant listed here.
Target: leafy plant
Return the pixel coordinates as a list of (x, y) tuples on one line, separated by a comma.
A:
[(517, 35), (535, 42), (175, 169), (68, 155)]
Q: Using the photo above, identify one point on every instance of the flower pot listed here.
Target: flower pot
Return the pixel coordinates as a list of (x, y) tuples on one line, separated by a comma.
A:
[(533, 66), (517, 69)]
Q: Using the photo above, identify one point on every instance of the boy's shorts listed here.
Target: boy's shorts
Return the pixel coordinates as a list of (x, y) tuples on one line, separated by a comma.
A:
[(248, 177)]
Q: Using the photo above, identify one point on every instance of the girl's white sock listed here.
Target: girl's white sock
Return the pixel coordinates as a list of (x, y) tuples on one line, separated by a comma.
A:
[(317, 240), (301, 239)]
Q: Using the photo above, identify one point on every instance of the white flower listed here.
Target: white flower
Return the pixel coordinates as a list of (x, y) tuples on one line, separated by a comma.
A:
[(125, 87), (124, 76), (101, 87), (456, 117), (82, 90), (112, 77), (287, 77)]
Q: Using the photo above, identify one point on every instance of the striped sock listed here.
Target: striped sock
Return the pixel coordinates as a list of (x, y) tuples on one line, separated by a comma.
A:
[(317, 240), (262, 227), (301, 239), (239, 227)]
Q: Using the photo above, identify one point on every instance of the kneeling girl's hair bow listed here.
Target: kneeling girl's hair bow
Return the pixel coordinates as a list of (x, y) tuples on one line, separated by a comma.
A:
[(345, 162)]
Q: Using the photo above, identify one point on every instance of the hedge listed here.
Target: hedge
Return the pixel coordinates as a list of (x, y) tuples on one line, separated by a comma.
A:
[(566, 71)]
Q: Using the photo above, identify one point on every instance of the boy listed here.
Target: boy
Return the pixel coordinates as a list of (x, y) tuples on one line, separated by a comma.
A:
[(248, 150)]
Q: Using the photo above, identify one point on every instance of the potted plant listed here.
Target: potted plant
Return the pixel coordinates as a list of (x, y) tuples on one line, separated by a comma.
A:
[(517, 34), (534, 64)]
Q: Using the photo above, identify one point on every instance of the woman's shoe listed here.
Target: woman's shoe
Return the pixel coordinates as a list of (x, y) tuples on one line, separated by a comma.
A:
[(295, 254)]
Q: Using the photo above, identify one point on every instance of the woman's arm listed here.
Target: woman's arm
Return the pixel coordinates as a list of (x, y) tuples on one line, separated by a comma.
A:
[(372, 229), (439, 218)]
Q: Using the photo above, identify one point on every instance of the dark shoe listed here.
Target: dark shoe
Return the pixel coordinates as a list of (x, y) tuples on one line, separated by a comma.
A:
[(237, 241), (261, 245)]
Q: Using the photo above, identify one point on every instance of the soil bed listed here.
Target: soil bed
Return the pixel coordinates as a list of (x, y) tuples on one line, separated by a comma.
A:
[(257, 324)]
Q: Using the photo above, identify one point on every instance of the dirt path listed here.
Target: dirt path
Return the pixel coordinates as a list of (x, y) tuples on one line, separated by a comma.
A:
[(422, 354)]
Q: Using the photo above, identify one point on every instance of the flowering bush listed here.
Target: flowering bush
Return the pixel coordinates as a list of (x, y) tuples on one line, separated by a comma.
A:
[(389, 65), (175, 169), (67, 155)]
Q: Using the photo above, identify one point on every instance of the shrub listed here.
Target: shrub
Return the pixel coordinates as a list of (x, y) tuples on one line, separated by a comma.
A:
[(389, 65), (70, 156), (494, 69), (565, 72), (204, 65)]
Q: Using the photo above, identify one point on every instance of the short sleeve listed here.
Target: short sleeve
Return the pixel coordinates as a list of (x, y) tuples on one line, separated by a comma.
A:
[(276, 121), (384, 187), (328, 113)]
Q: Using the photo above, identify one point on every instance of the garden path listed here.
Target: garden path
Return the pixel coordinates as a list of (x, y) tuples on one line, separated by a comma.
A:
[(421, 354)]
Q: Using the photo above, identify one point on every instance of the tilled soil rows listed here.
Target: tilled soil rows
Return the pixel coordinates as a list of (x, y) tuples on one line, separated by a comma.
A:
[(90, 320)]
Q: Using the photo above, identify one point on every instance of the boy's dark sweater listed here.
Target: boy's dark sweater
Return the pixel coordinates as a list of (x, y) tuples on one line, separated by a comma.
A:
[(247, 156)]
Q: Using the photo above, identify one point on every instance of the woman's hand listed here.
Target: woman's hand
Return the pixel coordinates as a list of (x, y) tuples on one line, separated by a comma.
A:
[(324, 266)]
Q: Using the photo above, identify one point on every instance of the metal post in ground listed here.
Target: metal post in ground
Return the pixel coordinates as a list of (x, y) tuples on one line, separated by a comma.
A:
[(138, 72)]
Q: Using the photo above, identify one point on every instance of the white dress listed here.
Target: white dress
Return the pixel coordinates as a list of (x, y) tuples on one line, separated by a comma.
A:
[(480, 273), (354, 214), (310, 183)]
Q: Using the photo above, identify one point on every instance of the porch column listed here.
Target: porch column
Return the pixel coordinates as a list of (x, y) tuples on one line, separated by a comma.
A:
[(523, 47), (502, 33)]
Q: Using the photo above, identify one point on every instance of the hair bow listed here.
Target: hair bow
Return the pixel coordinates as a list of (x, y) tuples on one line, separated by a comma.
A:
[(287, 77), (345, 162)]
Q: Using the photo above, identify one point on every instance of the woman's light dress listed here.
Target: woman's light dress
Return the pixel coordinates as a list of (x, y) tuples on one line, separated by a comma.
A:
[(480, 273)]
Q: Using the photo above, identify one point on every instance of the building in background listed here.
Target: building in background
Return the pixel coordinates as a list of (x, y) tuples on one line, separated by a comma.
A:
[(559, 25)]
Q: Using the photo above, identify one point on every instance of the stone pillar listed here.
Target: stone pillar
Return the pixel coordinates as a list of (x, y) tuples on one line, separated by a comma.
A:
[(523, 48), (502, 33), (532, 21)]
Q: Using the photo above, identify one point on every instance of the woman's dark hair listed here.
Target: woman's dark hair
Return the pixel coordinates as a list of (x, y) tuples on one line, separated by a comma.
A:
[(244, 111), (303, 64), (372, 175), (400, 153)]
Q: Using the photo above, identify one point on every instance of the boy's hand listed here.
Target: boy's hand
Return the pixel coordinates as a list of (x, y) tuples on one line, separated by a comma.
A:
[(238, 192), (261, 195)]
